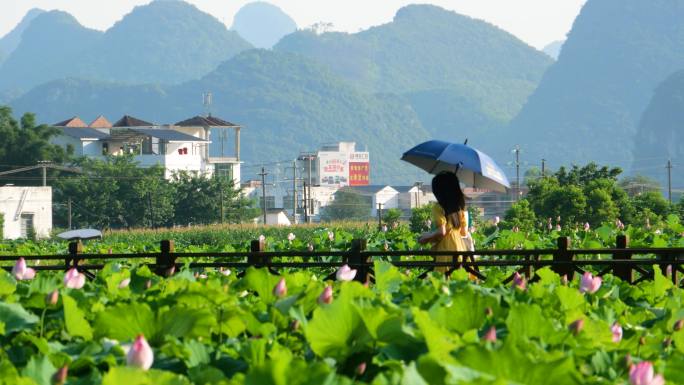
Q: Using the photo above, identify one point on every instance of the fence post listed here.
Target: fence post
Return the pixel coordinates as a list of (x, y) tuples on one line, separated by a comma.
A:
[(356, 260), (75, 248), (258, 246), (166, 263), (562, 254), (623, 272)]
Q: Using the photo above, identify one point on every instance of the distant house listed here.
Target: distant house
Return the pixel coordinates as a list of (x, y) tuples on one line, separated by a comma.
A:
[(198, 144), (27, 211), (411, 197), (275, 216), (377, 195)]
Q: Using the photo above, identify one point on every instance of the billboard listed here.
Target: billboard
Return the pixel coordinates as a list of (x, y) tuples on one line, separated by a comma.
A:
[(359, 173), (333, 168)]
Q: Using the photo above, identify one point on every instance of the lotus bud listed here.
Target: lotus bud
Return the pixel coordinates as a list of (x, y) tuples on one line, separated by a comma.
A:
[(558, 228), (280, 290), (360, 369), (497, 220), (148, 284), (564, 280), (616, 329), (519, 281), (549, 226), (667, 342), (310, 247), (60, 375), (52, 298), (327, 296), (516, 229), (331, 236), (140, 355), (668, 271), (345, 273), (619, 225), (489, 312), (642, 341), (490, 335), (589, 283), (446, 291), (109, 251), (294, 325), (386, 246), (558, 219), (124, 283), (73, 279), (21, 272), (678, 325), (384, 228), (290, 237), (262, 238), (225, 272), (577, 326), (648, 223), (587, 227), (642, 374), (628, 360)]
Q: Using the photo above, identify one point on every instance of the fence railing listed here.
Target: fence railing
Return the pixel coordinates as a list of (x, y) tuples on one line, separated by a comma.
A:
[(620, 261)]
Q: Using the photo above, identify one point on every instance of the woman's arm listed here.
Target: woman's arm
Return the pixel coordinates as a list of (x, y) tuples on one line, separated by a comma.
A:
[(433, 236)]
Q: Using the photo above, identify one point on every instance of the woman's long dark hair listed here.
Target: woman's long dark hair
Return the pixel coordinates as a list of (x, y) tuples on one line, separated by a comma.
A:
[(448, 192)]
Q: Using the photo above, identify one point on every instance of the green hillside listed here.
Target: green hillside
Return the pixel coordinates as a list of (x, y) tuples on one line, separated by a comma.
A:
[(52, 40), (162, 42), (427, 52), (286, 103), (590, 101), (660, 135)]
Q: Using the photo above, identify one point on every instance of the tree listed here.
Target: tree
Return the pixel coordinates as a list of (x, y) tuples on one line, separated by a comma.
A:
[(639, 184), (391, 217), (520, 215), (25, 144), (652, 202), (347, 206), (202, 200), (421, 218)]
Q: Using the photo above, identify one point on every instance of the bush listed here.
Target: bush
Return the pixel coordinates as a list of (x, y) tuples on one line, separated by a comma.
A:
[(391, 217), (420, 217)]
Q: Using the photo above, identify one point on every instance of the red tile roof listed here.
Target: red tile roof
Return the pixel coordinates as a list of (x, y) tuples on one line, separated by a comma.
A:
[(73, 122), (129, 121), (100, 122)]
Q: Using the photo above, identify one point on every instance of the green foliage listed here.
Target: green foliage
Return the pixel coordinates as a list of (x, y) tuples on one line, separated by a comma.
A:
[(26, 143), (129, 196), (347, 206), (520, 215), (2, 225), (391, 217), (420, 218)]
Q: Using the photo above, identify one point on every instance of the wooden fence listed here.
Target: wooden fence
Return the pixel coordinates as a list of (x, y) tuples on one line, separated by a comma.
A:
[(620, 261)]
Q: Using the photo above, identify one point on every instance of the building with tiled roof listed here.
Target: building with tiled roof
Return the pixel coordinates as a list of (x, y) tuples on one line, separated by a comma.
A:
[(72, 122), (100, 122)]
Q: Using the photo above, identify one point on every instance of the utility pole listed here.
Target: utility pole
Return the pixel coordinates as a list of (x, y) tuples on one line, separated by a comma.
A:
[(306, 206), (669, 180), (221, 197), (149, 204), (44, 165), (379, 216), (263, 192), (69, 211), (294, 190), (517, 172), (543, 167)]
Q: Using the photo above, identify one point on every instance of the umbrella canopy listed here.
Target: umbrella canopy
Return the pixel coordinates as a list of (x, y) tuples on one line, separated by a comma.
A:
[(473, 167), (80, 234)]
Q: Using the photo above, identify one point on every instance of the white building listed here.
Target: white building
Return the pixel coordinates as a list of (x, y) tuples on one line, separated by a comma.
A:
[(336, 165), (184, 146), (377, 195), (26, 211)]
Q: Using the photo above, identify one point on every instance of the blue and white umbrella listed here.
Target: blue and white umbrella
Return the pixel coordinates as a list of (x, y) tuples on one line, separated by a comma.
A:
[(473, 167)]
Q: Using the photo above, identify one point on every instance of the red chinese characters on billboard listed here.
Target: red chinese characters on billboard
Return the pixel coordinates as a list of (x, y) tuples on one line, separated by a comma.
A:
[(359, 173)]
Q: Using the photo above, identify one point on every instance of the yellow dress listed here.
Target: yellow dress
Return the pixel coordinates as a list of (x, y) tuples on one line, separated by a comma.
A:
[(452, 241)]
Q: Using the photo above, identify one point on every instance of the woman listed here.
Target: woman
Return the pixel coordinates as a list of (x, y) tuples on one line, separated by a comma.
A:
[(449, 216)]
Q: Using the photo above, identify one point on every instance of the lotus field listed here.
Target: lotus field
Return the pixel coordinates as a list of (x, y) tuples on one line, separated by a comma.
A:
[(130, 326)]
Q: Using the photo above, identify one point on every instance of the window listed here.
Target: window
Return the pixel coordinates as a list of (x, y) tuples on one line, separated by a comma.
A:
[(151, 146), (270, 202), (27, 230), (223, 170)]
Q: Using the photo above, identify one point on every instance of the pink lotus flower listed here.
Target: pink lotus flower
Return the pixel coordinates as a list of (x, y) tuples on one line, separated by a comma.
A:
[(519, 281), (497, 220), (262, 238), (587, 227), (225, 272), (564, 280), (345, 273), (490, 335), (589, 283), (619, 224), (327, 296), (124, 283), (140, 355), (290, 237), (558, 228), (331, 236), (310, 247), (642, 374), (21, 272), (52, 298), (73, 279), (60, 375), (616, 329), (280, 290), (384, 228)]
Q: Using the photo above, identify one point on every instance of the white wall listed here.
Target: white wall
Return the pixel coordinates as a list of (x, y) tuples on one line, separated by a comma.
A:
[(389, 198), (63, 141), (38, 202), (92, 148)]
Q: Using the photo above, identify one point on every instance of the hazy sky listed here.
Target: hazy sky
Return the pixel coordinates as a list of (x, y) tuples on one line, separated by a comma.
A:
[(538, 22)]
